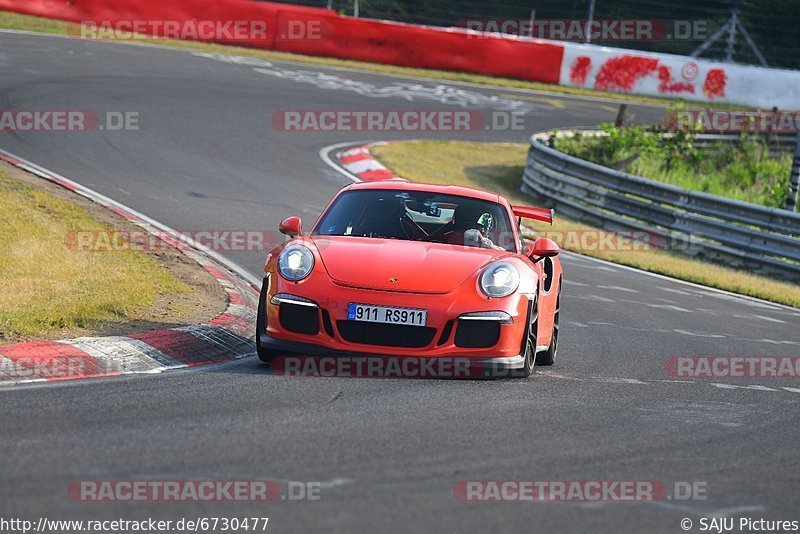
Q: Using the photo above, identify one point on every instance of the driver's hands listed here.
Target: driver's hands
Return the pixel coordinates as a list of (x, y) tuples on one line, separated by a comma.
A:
[(474, 238)]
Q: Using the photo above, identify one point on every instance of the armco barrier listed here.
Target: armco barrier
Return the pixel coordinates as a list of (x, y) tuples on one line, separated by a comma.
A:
[(779, 142), (454, 49), (739, 234)]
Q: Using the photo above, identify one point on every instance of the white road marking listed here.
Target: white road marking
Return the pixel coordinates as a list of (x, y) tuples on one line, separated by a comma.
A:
[(762, 388), (579, 325), (699, 334), (608, 269), (589, 297), (619, 288), (672, 290), (412, 91), (668, 307), (697, 412), (739, 386), (770, 341), (770, 319), (623, 381), (650, 382)]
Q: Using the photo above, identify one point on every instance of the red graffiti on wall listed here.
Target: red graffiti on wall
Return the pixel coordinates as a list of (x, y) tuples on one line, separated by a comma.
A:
[(715, 83), (623, 72), (668, 85), (580, 70)]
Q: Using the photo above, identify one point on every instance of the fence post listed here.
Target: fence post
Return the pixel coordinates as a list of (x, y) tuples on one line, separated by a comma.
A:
[(619, 122), (794, 182), (589, 21)]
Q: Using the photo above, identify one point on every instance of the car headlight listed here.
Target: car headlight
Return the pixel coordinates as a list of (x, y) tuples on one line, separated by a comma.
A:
[(499, 279), (295, 262)]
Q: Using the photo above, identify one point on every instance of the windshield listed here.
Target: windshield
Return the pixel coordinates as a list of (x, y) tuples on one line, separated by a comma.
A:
[(419, 216)]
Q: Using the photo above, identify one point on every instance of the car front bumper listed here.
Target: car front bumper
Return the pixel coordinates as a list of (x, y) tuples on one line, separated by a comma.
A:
[(300, 359), (309, 320)]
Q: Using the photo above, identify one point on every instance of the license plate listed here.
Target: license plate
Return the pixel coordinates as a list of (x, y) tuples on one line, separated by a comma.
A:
[(387, 314)]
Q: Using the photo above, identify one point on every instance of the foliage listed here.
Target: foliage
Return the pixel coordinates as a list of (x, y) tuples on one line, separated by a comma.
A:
[(742, 170)]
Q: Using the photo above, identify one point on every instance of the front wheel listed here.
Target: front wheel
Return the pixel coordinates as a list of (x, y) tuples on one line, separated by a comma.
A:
[(548, 357), (265, 355), (529, 365)]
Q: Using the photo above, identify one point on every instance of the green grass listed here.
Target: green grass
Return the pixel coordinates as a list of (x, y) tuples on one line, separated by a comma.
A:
[(16, 21), (498, 167), (745, 171), (45, 286)]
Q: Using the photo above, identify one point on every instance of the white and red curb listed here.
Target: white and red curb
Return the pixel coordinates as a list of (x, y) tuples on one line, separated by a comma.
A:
[(229, 336), (358, 162)]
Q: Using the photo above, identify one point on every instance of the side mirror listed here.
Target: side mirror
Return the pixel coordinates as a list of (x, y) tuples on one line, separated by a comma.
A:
[(291, 226), (544, 248)]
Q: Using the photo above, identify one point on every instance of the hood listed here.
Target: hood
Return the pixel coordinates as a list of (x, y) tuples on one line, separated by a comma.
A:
[(418, 267)]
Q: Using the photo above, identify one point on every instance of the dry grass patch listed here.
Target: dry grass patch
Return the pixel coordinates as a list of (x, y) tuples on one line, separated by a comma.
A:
[(49, 288)]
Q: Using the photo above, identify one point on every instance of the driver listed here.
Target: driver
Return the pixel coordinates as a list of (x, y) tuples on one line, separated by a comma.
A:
[(470, 226)]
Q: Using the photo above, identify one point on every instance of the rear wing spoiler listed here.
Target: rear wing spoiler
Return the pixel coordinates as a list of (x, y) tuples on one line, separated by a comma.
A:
[(539, 214)]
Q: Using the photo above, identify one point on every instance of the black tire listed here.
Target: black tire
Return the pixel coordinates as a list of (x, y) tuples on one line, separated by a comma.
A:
[(265, 355), (548, 357), (529, 366)]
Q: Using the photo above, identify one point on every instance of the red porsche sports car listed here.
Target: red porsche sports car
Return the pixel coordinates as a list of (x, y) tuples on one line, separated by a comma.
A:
[(403, 269)]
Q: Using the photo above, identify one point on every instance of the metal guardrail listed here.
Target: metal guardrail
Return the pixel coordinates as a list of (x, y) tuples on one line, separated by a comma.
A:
[(738, 234), (778, 142)]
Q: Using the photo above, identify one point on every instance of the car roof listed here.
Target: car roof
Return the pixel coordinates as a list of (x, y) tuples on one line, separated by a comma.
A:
[(404, 185)]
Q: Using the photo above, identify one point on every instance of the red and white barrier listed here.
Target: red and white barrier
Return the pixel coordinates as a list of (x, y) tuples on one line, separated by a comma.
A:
[(333, 35), (665, 75), (454, 49)]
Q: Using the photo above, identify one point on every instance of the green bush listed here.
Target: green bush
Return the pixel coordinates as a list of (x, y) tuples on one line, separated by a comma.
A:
[(743, 170)]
